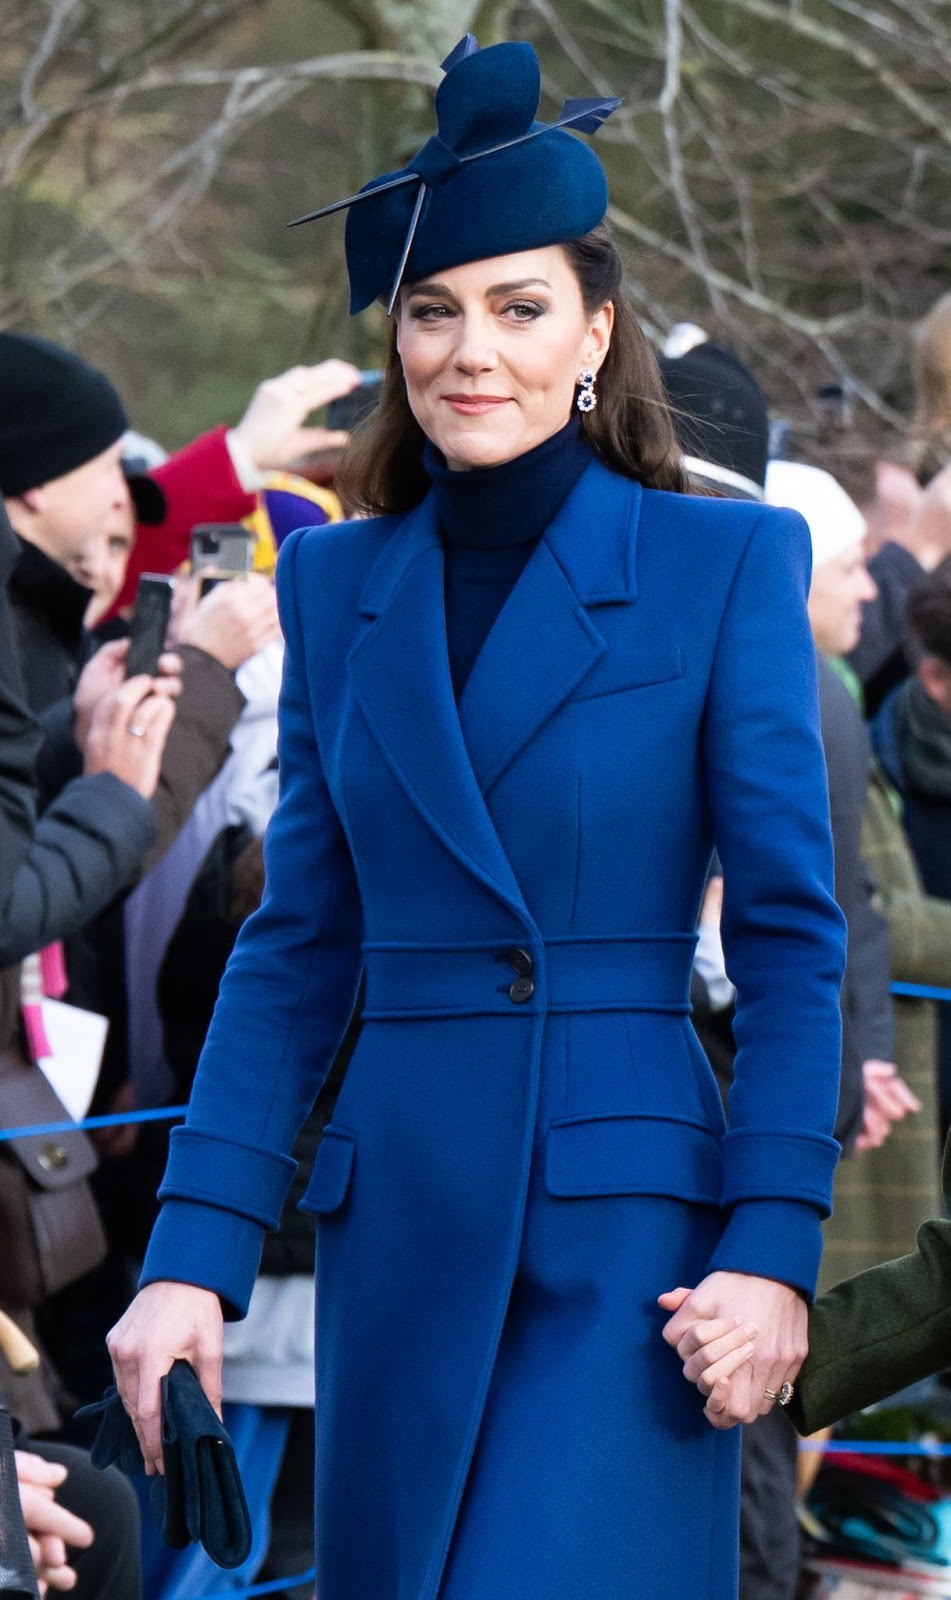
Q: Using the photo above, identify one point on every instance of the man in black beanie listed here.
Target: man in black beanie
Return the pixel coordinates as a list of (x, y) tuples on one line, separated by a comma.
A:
[(61, 427), (721, 415)]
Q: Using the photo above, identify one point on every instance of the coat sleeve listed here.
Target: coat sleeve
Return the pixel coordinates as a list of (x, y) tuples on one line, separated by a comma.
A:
[(20, 740), (867, 1003), (783, 935), (880, 1331), (198, 744), (285, 1000), (87, 848)]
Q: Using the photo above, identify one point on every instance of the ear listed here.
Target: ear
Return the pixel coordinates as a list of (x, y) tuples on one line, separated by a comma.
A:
[(933, 676), (33, 499), (598, 338)]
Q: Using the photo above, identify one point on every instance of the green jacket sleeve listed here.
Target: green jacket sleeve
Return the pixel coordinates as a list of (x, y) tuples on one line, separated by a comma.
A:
[(879, 1331)]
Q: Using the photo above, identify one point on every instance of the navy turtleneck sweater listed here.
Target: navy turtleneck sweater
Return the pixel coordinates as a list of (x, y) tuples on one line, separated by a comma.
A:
[(490, 520)]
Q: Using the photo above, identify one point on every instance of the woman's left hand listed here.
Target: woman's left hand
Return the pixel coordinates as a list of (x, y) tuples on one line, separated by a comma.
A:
[(776, 1312)]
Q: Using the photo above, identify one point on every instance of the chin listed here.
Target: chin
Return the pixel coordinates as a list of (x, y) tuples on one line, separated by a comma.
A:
[(485, 447)]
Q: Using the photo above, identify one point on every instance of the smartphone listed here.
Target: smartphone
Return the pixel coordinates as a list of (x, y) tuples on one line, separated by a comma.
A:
[(150, 619), (351, 409), (226, 547)]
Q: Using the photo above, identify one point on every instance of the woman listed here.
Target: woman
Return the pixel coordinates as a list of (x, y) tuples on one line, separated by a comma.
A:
[(519, 702)]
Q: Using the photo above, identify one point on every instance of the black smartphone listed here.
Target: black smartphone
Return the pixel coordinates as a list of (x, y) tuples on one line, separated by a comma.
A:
[(150, 620), (351, 409), (225, 547)]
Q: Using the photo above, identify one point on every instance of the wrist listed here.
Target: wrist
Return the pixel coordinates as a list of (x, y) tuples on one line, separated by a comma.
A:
[(249, 474)]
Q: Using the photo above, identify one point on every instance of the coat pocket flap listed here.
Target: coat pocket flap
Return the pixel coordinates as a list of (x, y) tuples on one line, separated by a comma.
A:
[(330, 1179), (633, 1155)]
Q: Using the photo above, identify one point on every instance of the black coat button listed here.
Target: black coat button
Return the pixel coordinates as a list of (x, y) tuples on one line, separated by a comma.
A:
[(521, 991), (522, 962)]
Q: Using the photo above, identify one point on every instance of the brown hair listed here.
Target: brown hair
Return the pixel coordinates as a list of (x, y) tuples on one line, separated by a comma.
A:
[(930, 433), (630, 429)]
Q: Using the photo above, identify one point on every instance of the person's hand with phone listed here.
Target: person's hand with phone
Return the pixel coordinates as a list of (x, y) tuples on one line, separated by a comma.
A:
[(106, 672), (273, 434), (234, 620), (128, 732)]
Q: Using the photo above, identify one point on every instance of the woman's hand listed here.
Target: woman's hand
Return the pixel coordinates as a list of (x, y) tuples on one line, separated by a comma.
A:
[(166, 1322), (705, 1330), (50, 1527), (887, 1100), (272, 432)]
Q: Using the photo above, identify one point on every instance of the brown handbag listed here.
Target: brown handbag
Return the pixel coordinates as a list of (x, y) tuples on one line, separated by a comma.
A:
[(50, 1227)]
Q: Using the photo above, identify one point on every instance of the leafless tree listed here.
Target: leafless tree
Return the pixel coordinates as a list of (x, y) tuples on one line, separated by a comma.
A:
[(779, 171)]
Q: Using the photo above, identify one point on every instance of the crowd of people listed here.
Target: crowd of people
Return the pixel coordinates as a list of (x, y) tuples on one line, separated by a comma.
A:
[(132, 814)]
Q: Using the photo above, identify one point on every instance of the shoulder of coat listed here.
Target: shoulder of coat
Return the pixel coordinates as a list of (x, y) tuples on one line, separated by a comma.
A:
[(717, 528), (358, 537)]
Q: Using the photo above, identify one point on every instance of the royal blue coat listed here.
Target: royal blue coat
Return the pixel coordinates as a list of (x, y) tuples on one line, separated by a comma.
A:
[(529, 1146)]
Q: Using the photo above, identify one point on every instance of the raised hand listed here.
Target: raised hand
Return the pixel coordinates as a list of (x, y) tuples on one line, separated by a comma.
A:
[(127, 734), (272, 432)]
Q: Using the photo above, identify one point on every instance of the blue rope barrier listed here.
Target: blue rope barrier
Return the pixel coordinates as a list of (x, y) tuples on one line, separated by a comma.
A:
[(118, 1119), (273, 1587), (873, 1447), (921, 991)]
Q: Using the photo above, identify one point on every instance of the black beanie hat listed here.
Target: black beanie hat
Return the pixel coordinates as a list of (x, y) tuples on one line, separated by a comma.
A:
[(721, 416), (56, 412)]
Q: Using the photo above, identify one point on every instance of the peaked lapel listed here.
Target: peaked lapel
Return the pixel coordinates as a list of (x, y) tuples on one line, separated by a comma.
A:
[(544, 643), (399, 670)]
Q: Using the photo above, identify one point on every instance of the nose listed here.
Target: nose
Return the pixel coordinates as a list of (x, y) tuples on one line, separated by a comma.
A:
[(119, 490), (869, 588), (474, 350)]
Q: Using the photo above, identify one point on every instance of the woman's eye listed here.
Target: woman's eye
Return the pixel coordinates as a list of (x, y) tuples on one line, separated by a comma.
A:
[(524, 310), (433, 313)]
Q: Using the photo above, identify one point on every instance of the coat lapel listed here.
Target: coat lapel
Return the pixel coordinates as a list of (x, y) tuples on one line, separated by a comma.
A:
[(399, 669), (544, 642)]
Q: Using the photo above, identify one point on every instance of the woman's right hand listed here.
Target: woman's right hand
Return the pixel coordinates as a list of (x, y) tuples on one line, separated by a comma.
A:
[(166, 1322)]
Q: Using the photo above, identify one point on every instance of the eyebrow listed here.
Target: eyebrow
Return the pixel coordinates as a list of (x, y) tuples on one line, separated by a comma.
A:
[(496, 289)]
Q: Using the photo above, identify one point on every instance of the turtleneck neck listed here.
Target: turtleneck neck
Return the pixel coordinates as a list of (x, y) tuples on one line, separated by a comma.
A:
[(490, 519), (489, 508)]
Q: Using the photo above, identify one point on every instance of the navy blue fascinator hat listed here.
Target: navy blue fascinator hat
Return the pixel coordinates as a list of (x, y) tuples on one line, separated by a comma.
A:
[(491, 181)]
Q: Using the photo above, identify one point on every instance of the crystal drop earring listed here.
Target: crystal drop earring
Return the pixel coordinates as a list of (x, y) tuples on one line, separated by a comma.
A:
[(587, 399)]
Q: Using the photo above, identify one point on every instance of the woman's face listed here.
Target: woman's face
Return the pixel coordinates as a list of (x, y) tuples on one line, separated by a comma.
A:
[(491, 353), (839, 590)]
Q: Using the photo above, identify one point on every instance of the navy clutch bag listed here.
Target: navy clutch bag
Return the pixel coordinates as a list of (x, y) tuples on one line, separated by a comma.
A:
[(200, 1499)]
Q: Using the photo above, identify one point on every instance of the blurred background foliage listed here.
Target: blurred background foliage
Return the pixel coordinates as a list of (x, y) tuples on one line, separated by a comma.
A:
[(780, 173)]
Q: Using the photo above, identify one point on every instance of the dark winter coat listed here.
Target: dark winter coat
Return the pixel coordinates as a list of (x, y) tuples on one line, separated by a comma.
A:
[(878, 1332), (927, 818), (19, 735), (868, 1029), (879, 659), (52, 643)]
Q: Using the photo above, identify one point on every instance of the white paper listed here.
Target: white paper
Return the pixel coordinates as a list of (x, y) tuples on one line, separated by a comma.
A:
[(77, 1040)]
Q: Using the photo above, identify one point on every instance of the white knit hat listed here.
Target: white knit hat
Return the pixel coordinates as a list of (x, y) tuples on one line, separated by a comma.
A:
[(835, 521)]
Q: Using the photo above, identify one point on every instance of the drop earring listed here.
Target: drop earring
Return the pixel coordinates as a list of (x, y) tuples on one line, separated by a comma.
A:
[(587, 399)]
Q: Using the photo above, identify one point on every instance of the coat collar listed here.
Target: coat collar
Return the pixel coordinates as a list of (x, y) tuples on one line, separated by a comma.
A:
[(543, 644), (45, 587)]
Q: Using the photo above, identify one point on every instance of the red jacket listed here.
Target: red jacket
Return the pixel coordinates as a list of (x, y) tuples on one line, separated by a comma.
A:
[(200, 485)]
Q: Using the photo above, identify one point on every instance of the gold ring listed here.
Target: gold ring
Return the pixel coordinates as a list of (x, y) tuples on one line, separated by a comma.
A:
[(784, 1395)]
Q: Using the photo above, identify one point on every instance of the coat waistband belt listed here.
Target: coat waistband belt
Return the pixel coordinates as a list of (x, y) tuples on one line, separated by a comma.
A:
[(644, 974)]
